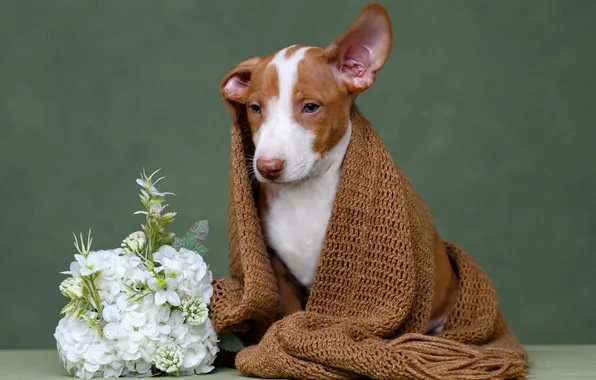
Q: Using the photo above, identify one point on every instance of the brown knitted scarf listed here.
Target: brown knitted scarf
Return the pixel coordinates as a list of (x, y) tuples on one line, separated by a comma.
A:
[(372, 293)]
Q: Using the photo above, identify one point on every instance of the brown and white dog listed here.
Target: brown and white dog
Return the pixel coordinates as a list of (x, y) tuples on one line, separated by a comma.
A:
[(298, 103)]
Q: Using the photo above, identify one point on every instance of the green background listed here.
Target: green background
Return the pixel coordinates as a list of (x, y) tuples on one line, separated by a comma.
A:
[(488, 106)]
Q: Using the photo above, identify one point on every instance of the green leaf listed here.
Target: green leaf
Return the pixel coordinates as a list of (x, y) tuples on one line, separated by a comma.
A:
[(195, 237), (139, 296), (201, 229), (169, 216), (69, 307), (80, 312), (229, 342)]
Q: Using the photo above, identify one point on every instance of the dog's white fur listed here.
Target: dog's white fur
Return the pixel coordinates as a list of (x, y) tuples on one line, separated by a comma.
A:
[(296, 219)]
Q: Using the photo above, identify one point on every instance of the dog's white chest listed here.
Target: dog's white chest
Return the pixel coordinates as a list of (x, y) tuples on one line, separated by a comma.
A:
[(296, 223)]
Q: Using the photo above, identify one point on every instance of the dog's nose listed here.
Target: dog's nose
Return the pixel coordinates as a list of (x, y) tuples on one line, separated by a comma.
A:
[(270, 168)]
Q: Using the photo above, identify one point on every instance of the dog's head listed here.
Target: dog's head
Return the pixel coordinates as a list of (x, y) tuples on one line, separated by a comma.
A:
[(297, 100)]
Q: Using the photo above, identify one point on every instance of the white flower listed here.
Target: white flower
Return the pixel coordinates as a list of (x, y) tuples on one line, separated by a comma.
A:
[(165, 290), (156, 327), (194, 310), (94, 262), (206, 364), (178, 329), (139, 328), (124, 304), (193, 356), (137, 278), (169, 358), (74, 269), (111, 313), (140, 325), (135, 242), (172, 266), (197, 279), (155, 207), (152, 190), (74, 337), (98, 355), (72, 288), (134, 320), (114, 265), (165, 251), (143, 368), (108, 290), (115, 369), (200, 344), (189, 269)]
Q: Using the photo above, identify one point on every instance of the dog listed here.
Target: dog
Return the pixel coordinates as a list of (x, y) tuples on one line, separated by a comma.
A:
[(298, 101)]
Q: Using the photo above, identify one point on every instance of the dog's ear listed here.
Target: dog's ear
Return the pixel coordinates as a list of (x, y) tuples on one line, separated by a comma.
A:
[(363, 49), (234, 86)]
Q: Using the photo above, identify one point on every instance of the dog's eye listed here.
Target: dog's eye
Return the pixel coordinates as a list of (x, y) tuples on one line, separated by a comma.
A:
[(255, 108), (311, 108)]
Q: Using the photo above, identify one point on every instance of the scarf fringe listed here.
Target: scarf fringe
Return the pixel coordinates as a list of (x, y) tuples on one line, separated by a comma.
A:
[(433, 358)]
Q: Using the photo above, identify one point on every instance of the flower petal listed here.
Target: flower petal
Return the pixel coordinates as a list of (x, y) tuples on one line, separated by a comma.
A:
[(171, 283), (80, 259), (160, 298), (91, 367), (136, 319), (193, 356), (111, 331), (172, 297), (142, 366), (135, 336), (203, 368), (113, 372), (111, 313)]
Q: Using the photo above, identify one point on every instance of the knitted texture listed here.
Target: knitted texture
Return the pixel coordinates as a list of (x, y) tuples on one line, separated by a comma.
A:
[(373, 289)]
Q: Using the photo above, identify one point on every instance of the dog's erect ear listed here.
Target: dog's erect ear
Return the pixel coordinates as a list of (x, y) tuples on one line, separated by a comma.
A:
[(234, 85), (363, 49)]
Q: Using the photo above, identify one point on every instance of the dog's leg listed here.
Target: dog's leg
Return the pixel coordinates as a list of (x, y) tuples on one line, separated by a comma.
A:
[(290, 292)]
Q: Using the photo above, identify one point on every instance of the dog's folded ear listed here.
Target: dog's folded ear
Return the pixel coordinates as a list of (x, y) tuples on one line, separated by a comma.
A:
[(363, 49), (234, 86)]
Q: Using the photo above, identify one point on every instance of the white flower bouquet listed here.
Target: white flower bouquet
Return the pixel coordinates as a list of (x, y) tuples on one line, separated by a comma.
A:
[(140, 309)]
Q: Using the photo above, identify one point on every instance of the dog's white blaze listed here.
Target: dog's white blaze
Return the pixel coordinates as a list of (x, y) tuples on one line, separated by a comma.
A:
[(296, 220), (280, 136)]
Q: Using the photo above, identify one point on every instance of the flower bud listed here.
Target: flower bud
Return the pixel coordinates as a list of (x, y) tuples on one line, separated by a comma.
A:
[(72, 288), (135, 242)]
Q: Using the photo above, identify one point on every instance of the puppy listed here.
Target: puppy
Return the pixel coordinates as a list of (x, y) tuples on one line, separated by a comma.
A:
[(298, 102)]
